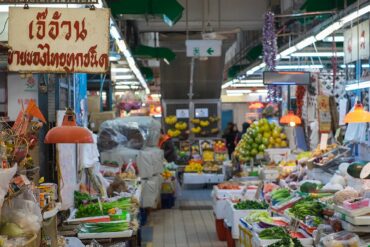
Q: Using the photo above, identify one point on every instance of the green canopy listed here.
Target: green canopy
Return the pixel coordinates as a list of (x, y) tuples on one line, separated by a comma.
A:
[(169, 10), (324, 5), (143, 51)]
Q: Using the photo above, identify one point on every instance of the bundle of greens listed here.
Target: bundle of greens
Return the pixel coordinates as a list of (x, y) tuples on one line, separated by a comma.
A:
[(273, 233), (245, 205), (307, 207), (93, 209), (259, 216), (81, 198), (104, 227), (287, 242), (280, 196)]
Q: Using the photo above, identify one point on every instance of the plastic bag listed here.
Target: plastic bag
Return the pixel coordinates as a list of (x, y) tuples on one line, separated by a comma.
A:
[(5, 176), (117, 132), (356, 132), (25, 213)]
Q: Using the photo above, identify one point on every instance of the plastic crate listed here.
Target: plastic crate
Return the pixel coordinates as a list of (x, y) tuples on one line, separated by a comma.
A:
[(245, 237), (220, 229), (167, 201)]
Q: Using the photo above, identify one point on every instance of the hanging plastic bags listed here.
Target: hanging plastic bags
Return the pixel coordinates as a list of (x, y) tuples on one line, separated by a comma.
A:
[(5, 176)]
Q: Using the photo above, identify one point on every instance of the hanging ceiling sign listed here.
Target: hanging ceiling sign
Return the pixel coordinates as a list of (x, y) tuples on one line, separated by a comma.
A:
[(58, 40), (357, 42), (203, 48)]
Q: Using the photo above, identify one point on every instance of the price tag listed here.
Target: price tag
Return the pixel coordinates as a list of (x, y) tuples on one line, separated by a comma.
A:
[(324, 141)]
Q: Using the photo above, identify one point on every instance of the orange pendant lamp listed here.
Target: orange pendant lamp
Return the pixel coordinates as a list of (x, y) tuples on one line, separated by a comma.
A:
[(69, 132), (256, 106), (290, 119), (358, 115)]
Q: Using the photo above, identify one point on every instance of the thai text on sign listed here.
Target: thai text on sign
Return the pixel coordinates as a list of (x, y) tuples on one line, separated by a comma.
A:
[(58, 40)]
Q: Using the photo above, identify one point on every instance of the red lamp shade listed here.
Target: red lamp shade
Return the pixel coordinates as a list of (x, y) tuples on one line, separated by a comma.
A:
[(358, 115), (69, 132), (290, 119), (256, 105)]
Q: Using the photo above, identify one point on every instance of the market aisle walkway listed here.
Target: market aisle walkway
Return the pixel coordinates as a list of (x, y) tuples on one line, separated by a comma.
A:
[(189, 224)]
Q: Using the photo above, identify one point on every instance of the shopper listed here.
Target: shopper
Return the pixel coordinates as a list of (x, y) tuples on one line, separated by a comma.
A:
[(229, 135), (166, 144), (245, 127)]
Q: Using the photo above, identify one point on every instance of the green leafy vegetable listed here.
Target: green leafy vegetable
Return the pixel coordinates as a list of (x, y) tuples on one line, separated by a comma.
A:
[(80, 198), (307, 207), (287, 242), (259, 216), (93, 209), (245, 205), (273, 233), (104, 227)]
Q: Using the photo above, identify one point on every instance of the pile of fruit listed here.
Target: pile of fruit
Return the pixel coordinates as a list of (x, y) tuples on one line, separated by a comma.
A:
[(166, 174), (208, 155), (229, 186), (219, 146), (211, 167), (220, 156), (260, 136), (194, 166)]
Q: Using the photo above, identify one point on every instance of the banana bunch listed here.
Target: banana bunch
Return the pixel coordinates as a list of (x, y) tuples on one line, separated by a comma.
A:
[(204, 123), (196, 130), (215, 131), (214, 119), (170, 120), (173, 133), (195, 121), (181, 125)]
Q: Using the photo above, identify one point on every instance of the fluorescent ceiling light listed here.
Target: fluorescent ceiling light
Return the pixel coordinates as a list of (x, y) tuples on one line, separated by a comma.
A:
[(227, 84), (122, 87), (356, 86), (238, 91), (329, 30), (127, 83), (306, 42), (248, 85), (258, 94), (343, 66), (119, 70), (336, 39), (234, 94), (292, 67), (251, 80), (356, 14), (123, 77), (317, 54), (262, 91), (288, 51)]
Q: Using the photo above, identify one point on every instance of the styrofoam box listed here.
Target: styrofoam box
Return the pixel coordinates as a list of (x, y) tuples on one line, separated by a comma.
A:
[(227, 193), (232, 217), (219, 207), (202, 178), (278, 154)]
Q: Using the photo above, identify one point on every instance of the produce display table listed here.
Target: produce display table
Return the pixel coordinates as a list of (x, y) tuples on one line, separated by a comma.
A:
[(203, 178)]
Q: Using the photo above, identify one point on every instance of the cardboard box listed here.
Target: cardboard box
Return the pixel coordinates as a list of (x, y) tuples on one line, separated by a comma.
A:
[(93, 103), (97, 118)]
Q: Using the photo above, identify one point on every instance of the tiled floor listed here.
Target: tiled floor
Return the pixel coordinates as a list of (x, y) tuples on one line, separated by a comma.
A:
[(189, 224)]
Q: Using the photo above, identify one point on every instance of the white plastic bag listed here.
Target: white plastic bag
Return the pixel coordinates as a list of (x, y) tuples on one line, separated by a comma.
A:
[(5, 176), (25, 213), (356, 132)]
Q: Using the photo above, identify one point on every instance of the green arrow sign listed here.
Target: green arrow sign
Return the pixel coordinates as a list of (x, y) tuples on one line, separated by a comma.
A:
[(210, 51)]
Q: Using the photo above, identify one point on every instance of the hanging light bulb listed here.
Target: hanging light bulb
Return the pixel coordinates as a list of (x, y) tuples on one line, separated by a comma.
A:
[(358, 115), (69, 132), (290, 119)]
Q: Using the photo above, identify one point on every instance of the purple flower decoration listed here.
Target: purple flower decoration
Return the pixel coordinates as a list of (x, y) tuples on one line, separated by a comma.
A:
[(269, 53)]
